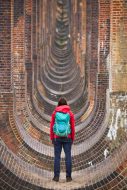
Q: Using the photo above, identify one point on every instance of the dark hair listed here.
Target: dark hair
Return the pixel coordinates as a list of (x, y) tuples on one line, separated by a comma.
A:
[(62, 101)]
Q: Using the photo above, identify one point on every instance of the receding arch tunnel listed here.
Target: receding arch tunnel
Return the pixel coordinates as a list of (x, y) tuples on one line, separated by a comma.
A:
[(70, 48)]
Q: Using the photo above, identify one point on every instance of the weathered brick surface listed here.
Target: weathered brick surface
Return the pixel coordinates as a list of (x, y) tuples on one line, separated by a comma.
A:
[(18, 60), (92, 33), (118, 45), (99, 28), (104, 35), (34, 22), (5, 45), (28, 32)]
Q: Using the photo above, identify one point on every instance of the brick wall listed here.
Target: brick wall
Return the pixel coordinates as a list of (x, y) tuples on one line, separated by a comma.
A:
[(5, 62), (91, 44), (28, 43), (19, 43), (104, 35), (34, 20), (5, 45), (37, 24), (78, 32), (28, 14), (118, 70), (6, 105), (18, 61)]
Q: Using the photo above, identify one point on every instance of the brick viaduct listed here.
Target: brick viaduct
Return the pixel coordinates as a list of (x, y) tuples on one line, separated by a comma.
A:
[(71, 48)]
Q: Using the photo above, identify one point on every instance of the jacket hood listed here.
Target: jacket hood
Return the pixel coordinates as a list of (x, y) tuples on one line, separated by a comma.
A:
[(63, 108)]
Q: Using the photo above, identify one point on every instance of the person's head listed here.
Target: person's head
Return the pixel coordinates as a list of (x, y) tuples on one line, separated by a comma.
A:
[(62, 101)]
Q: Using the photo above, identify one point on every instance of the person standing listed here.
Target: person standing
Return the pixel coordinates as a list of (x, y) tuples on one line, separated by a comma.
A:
[(62, 134)]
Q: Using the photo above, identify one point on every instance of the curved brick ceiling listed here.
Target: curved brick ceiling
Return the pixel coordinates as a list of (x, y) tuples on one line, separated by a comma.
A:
[(71, 48)]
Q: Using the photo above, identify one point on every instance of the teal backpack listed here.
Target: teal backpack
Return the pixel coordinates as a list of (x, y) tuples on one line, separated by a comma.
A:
[(62, 124)]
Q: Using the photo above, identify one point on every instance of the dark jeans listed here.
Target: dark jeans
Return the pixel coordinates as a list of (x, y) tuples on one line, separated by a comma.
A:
[(66, 144)]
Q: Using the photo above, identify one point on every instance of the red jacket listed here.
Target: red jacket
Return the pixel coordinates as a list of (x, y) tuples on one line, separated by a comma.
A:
[(64, 109)]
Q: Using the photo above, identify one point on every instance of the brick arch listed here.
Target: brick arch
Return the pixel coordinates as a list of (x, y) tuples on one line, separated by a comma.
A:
[(26, 152)]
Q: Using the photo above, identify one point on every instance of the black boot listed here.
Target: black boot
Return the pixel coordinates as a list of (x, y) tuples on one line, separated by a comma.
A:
[(56, 178), (68, 179)]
